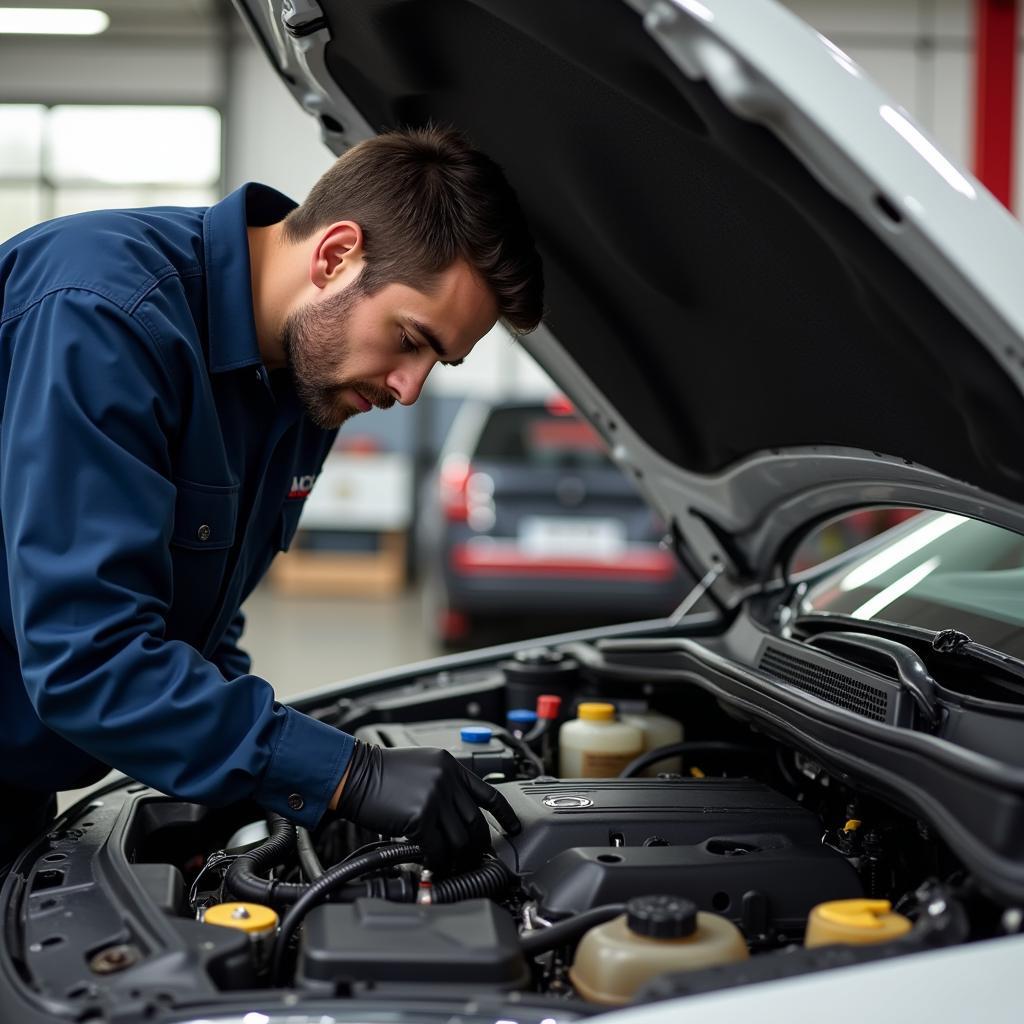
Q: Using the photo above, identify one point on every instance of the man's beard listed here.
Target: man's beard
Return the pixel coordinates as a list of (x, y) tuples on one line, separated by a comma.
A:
[(316, 346)]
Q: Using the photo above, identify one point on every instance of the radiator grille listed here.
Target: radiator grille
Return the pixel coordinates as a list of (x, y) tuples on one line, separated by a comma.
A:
[(841, 690)]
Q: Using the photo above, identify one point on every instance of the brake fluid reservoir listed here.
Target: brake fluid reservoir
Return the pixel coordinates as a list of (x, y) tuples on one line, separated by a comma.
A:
[(596, 746), (854, 923), (657, 934), (659, 731)]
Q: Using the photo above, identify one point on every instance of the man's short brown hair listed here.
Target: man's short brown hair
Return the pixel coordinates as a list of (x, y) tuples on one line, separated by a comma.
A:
[(425, 198)]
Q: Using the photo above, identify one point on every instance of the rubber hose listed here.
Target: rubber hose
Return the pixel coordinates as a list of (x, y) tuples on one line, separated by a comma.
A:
[(524, 749), (311, 866), (638, 764), (488, 880), (568, 932), (332, 879), (245, 878)]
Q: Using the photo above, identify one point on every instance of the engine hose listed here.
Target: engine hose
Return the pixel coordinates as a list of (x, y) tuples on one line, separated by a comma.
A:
[(524, 749), (311, 866), (568, 932), (488, 880), (245, 878), (332, 879), (688, 747)]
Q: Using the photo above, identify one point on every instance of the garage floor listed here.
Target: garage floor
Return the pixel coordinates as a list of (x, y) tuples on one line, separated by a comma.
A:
[(300, 644)]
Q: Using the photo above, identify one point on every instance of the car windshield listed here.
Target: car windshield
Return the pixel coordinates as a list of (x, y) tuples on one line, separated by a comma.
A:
[(539, 437), (938, 571)]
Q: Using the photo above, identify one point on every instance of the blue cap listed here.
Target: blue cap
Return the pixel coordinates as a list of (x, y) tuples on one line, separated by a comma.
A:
[(475, 734), (522, 716)]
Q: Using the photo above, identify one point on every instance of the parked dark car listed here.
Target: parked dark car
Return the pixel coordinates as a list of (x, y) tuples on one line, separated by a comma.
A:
[(777, 301), (526, 520)]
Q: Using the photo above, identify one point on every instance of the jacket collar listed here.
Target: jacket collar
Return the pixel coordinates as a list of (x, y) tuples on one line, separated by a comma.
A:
[(231, 327)]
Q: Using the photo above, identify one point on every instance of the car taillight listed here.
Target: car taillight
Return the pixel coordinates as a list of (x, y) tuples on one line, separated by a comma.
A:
[(455, 474), (559, 405)]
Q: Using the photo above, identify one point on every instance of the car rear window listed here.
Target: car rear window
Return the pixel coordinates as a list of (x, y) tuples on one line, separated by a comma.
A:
[(537, 437)]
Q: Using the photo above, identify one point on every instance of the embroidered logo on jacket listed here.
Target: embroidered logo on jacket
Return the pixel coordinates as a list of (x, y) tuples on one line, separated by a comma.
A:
[(302, 485)]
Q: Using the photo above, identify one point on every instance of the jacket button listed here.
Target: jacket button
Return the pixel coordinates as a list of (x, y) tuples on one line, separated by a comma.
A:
[(295, 802), (204, 531)]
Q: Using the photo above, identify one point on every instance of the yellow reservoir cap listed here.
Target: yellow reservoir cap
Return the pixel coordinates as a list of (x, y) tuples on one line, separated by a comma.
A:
[(253, 918), (854, 923), (594, 711)]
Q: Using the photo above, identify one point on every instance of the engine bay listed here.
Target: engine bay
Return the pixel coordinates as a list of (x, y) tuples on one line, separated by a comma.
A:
[(717, 860)]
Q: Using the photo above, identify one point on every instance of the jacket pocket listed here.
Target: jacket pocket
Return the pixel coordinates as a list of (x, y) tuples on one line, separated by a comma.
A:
[(205, 520), (205, 516)]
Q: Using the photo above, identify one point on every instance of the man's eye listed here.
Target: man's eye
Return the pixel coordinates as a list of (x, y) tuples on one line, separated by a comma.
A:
[(407, 345)]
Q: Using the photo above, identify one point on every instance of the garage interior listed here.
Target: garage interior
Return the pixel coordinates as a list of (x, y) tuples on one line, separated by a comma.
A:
[(721, 647)]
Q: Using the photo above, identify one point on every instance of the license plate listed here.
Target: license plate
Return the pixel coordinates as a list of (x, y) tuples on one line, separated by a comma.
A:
[(547, 536)]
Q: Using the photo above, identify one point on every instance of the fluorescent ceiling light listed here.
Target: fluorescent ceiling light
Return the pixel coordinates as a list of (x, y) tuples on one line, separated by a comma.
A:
[(52, 21)]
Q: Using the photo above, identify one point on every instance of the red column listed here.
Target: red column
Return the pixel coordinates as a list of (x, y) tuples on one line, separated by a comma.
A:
[(995, 95)]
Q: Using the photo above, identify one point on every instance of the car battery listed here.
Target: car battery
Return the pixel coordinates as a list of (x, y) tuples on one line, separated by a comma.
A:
[(476, 745)]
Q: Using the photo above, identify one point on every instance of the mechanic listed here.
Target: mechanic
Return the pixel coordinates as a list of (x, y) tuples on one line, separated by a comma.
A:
[(172, 381)]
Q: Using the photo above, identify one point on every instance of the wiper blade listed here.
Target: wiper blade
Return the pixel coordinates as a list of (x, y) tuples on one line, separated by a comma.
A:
[(949, 641)]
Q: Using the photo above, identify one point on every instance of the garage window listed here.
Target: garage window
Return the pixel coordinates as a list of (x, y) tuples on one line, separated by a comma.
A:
[(69, 158)]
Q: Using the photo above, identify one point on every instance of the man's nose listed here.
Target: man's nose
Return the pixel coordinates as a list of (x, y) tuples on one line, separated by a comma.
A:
[(407, 383)]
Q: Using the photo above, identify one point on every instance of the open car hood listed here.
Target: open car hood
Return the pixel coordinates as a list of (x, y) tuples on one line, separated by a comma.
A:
[(768, 290)]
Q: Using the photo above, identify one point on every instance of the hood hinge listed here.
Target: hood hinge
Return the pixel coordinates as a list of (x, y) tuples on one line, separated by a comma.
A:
[(302, 17)]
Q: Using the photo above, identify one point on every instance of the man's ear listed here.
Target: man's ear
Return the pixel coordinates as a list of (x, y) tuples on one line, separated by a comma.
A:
[(338, 254)]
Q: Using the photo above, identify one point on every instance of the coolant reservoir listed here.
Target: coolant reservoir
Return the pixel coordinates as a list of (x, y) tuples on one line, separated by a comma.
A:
[(659, 731), (854, 923), (657, 934), (595, 745)]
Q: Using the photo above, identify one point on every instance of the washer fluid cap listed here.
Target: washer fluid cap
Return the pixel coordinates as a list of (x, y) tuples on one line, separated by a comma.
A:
[(661, 917), (522, 716), (854, 922), (475, 734), (594, 711), (253, 918), (855, 913)]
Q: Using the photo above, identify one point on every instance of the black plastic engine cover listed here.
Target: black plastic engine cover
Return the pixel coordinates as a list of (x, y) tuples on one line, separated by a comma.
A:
[(468, 946), (717, 875), (558, 815), (733, 846), (480, 758)]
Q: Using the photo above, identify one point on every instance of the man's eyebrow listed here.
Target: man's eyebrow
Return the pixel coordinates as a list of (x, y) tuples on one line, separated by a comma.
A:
[(432, 341)]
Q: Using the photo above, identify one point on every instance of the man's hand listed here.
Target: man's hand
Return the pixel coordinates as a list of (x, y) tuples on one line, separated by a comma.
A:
[(425, 795)]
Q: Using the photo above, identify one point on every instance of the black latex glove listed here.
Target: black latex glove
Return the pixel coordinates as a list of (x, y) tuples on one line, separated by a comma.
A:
[(424, 794)]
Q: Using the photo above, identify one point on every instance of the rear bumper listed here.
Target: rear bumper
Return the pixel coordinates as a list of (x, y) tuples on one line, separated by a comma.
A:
[(499, 577)]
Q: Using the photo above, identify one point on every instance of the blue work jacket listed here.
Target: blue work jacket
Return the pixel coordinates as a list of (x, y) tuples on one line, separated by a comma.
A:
[(150, 469)]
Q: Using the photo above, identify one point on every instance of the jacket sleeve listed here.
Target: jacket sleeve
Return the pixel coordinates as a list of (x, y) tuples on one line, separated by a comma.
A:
[(87, 504), (228, 656)]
